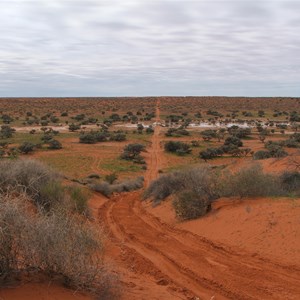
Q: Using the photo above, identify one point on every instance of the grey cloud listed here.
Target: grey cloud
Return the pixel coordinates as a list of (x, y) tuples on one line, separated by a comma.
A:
[(133, 47)]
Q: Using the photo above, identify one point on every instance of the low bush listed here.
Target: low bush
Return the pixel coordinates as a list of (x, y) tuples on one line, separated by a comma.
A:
[(79, 200), (290, 182), (50, 195), (189, 205), (251, 182), (54, 145), (28, 176), (111, 178), (261, 154), (233, 140), (58, 245), (195, 189), (201, 181), (177, 147), (162, 187), (211, 153), (26, 147), (276, 150), (126, 186)]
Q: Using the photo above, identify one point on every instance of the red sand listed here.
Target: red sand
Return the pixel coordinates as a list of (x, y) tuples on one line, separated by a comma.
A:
[(242, 250)]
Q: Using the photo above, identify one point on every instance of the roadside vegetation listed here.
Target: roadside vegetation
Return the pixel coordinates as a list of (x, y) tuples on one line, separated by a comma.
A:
[(46, 229), (195, 189)]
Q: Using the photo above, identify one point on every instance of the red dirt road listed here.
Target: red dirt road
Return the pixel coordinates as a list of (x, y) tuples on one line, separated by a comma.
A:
[(159, 261), (154, 159)]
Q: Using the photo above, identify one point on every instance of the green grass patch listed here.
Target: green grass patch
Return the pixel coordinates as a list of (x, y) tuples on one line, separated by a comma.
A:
[(118, 166)]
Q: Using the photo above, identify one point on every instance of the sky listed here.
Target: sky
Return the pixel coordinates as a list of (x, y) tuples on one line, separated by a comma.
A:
[(149, 48)]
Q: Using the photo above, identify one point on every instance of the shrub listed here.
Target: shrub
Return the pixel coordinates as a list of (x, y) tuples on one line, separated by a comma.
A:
[(54, 145), (209, 134), (118, 137), (290, 182), (261, 154), (211, 153), (6, 132), (88, 138), (291, 143), (51, 244), (189, 205), (176, 132), (51, 194), (111, 178), (132, 152), (149, 130), (79, 200), (107, 189), (73, 127), (251, 182), (276, 150), (162, 187), (177, 147), (26, 147), (239, 132), (201, 180), (101, 187), (94, 176), (233, 140), (30, 177), (47, 137)]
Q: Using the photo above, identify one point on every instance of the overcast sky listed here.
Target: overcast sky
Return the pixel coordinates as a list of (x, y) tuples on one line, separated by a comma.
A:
[(149, 47)]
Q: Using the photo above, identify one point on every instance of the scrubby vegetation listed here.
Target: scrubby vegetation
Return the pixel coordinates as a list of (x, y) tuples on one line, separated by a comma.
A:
[(107, 188), (53, 237), (132, 152), (177, 147), (194, 189)]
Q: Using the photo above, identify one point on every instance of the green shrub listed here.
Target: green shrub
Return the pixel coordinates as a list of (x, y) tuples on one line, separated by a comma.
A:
[(132, 152), (233, 140), (6, 132), (211, 153), (261, 154), (177, 147), (88, 138), (54, 145), (51, 194)]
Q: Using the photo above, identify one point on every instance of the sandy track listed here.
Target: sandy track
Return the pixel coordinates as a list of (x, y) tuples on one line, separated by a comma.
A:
[(154, 152), (187, 265), (193, 265)]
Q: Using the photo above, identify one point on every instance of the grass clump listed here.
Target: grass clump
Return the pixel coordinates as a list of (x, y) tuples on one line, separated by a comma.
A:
[(78, 200)]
